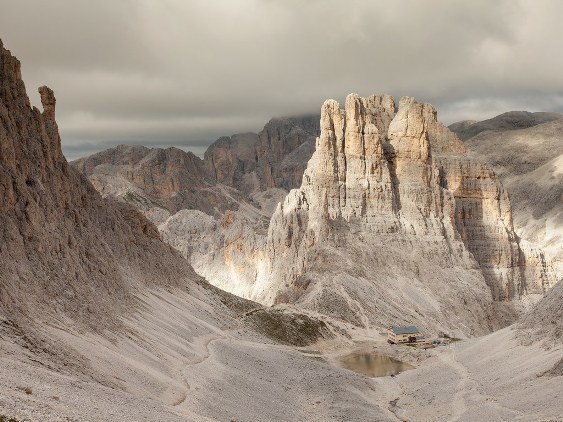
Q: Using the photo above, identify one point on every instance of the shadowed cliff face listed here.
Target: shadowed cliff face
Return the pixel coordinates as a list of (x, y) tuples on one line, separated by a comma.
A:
[(159, 172), (526, 152), (62, 247), (390, 202), (274, 158), (389, 198), (95, 307), (380, 171), (159, 182)]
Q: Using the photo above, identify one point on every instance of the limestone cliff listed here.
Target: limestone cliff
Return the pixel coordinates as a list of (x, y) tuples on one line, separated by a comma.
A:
[(274, 158), (526, 152), (159, 182), (391, 212), (231, 160), (390, 198), (63, 249), (97, 309), (406, 173)]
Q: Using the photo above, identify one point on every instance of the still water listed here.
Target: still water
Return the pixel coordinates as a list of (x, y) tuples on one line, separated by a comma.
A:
[(374, 365)]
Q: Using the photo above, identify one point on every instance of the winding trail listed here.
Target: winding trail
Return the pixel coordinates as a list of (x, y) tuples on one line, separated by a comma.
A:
[(213, 337), (469, 393)]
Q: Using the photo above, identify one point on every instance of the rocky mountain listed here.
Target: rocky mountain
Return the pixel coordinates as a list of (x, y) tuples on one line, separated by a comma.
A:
[(252, 171), (274, 158), (101, 320), (510, 120), (386, 192), (529, 162), (391, 210), (231, 160), (159, 182), (99, 317), (64, 249), (381, 187)]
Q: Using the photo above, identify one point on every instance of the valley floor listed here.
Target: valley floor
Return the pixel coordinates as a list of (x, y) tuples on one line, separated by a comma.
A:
[(491, 378), (176, 364)]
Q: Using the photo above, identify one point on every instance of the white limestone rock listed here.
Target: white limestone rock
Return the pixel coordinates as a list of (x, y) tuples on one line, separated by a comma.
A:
[(384, 217)]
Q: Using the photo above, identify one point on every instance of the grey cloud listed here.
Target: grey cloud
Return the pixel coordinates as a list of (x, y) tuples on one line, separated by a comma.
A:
[(187, 71)]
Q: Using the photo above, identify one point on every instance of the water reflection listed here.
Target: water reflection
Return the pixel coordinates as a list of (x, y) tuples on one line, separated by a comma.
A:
[(374, 365)]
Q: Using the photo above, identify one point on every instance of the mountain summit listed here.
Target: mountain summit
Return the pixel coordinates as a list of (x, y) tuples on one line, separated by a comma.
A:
[(392, 211)]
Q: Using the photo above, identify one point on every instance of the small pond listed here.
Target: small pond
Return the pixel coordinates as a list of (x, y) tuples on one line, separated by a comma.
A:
[(373, 365)]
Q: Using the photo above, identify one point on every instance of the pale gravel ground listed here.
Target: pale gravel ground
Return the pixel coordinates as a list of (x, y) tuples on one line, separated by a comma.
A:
[(492, 378), (184, 361)]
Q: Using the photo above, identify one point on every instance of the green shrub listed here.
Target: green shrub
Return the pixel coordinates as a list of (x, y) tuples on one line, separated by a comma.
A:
[(7, 419)]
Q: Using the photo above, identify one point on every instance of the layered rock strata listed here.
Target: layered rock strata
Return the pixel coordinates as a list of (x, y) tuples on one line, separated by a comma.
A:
[(526, 152), (159, 182), (231, 160), (396, 186), (97, 309), (274, 158), (390, 202)]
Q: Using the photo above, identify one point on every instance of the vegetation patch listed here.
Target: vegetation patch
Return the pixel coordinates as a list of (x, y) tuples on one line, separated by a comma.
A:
[(132, 197), (7, 419), (288, 328)]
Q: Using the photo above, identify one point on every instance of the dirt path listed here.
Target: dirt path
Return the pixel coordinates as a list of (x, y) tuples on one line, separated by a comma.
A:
[(469, 394)]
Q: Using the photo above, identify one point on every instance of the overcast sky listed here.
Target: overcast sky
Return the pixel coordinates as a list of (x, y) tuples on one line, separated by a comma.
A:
[(184, 72)]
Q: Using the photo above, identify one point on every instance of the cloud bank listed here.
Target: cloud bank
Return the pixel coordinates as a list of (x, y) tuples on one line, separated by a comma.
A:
[(184, 72)]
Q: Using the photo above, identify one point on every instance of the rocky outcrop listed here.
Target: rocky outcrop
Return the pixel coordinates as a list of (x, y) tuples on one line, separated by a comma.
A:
[(274, 158), (241, 169), (283, 149), (544, 323), (161, 173), (228, 250), (529, 162), (63, 249), (231, 160), (389, 197), (160, 182), (97, 309)]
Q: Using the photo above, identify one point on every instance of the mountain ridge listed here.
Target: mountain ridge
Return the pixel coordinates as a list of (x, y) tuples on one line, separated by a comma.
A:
[(99, 319), (510, 120), (529, 163), (423, 185)]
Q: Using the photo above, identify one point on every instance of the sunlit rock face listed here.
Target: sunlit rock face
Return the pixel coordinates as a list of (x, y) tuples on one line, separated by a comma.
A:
[(388, 199), (392, 223)]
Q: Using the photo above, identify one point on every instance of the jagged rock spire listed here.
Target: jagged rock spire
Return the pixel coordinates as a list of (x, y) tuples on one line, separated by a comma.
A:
[(378, 172)]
